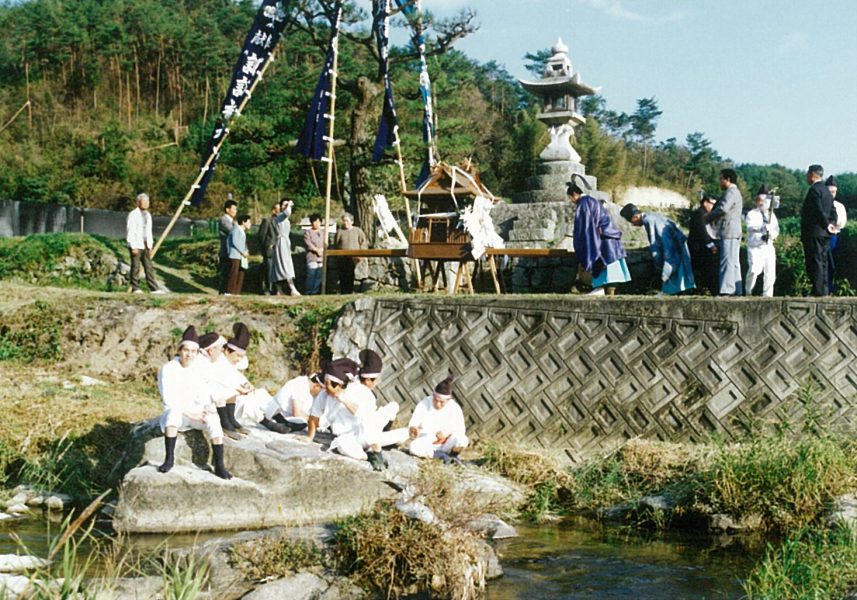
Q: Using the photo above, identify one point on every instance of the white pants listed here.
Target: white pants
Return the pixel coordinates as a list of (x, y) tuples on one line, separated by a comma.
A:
[(761, 259), (250, 408), (371, 432), (424, 446), (173, 417)]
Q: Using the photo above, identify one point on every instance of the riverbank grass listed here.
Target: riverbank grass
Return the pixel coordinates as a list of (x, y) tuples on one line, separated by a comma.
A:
[(808, 564)]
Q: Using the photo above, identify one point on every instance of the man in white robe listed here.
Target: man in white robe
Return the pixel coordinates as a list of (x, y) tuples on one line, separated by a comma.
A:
[(290, 406), (330, 410), (762, 229), (437, 428), (366, 440), (187, 404)]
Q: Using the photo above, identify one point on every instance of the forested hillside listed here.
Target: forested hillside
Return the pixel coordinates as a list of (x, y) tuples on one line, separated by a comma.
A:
[(123, 96)]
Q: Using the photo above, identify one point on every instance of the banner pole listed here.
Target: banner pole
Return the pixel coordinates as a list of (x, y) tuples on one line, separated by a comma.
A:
[(329, 159), (215, 151)]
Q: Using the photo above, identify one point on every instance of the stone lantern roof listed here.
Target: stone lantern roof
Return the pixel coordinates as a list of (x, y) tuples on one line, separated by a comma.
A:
[(559, 76)]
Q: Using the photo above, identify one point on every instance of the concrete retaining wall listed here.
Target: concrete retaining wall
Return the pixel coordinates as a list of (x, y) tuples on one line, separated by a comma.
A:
[(586, 374)]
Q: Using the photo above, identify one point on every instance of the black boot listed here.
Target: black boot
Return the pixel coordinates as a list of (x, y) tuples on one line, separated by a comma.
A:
[(230, 414), (170, 446), (276, 427), (290, 424), (375, 460), (219, 467), (226, 424)]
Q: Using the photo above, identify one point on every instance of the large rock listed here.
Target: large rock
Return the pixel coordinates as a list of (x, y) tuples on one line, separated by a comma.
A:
[(307, 586), (278, 479)]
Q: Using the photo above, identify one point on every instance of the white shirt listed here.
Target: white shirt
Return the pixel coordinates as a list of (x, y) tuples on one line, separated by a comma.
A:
[(449, 420), (295, 393), (138, 230), (331, 412), (183, 388), (756, 228), (841, 215), (221, 377)]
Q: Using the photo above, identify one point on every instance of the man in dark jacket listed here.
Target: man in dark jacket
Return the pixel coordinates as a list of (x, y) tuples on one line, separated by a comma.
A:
[(817, 224), (703, 248), (267, 239)]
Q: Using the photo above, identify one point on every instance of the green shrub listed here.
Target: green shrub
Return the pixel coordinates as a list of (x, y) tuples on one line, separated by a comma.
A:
[(809, 564), (33, 333)]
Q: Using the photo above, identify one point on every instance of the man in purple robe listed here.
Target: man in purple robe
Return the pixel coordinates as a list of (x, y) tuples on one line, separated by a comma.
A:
[(597, 242)]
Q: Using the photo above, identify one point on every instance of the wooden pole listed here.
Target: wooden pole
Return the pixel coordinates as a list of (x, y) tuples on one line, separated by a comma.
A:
[(29, 104), (329, 159), (215, 151)]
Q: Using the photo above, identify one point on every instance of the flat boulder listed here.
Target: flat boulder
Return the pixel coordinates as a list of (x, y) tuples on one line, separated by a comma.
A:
[(277, 480)]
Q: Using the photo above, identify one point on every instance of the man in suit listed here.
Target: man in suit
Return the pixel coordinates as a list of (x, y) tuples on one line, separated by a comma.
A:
[(267, 239), (817, 224), (225, 225), (703, 248), (725, 221)]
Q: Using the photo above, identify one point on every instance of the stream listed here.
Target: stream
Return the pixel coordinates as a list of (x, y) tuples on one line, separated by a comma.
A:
[(575, 559), (581, 559)]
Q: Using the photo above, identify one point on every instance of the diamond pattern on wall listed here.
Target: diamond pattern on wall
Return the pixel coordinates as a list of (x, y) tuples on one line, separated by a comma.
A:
[(583, 377)]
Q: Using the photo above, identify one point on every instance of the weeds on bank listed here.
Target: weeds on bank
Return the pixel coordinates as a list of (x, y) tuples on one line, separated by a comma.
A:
[(33, 333), (809, 564), (276, 557), (387, 552), (392, 554), (551, 487)]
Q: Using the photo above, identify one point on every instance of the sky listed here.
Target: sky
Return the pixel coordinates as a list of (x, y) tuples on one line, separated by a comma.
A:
[(767, 81)]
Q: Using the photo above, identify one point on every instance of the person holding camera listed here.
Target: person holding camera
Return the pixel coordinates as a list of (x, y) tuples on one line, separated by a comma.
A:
[(282, 267), (762, 230)]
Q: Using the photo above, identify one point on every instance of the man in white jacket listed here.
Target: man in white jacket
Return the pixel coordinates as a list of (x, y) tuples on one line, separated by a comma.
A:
[(437, 428), (762, 230), (187, 403), (138, 236)]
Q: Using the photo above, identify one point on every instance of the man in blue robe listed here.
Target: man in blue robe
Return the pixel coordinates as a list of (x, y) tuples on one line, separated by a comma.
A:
[(669, 249), (597, 242)]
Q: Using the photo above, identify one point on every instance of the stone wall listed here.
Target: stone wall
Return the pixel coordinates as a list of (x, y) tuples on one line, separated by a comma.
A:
[(585, 374)]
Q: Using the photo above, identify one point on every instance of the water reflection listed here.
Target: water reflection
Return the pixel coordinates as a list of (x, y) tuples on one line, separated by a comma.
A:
[(580, 559)]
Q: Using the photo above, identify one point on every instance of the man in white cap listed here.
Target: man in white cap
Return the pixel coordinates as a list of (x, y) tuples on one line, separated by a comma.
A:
[(330, 409), (365, 441), (248, 403), (187, 404), (213, 364), (290, 406), (138, 236), (437, 427)]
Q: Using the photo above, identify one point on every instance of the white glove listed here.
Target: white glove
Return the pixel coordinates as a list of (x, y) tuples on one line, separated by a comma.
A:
[(666, 272)]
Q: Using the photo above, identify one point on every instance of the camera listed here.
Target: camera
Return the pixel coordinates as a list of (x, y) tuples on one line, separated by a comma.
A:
[(766, 236)]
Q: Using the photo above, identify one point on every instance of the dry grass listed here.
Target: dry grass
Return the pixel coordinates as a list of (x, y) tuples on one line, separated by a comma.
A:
[(389, 553), (276, 557)]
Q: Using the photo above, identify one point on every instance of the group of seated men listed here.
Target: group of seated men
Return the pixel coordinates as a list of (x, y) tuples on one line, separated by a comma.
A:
[(204, 388)]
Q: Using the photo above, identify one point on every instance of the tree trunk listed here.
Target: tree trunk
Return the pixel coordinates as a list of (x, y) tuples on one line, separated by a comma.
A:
[(361, 195)]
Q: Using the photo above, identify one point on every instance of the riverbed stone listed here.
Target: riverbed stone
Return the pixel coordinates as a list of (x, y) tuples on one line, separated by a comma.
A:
[(277, 480), (307, 586), (17, 563), (18, 509), (128, 588), (493, 527), (12, 586), (843, 511)]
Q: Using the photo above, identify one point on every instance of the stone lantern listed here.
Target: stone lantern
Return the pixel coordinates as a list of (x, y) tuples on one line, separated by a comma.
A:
[(558, 90)]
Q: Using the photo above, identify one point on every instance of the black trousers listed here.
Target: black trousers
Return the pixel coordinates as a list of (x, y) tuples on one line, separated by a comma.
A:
[(346, 275), (815, 251), (143, 257), (225, 267)]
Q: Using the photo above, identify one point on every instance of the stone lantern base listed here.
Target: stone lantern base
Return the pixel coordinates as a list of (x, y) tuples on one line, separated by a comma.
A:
[(550, 183)]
